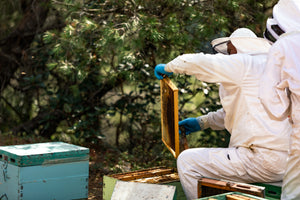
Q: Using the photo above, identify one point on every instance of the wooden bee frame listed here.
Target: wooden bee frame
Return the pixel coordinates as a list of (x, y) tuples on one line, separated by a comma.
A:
[(169, 116)]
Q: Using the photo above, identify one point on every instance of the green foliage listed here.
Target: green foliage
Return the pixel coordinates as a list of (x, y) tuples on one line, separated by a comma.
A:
[(93, 79)]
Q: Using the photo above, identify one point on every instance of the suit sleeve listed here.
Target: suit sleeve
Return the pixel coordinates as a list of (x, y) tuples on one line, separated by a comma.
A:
[(212, 68), (214, 120)]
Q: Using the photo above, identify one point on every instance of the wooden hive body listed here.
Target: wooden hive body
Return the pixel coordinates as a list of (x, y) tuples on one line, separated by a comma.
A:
[(155, 175)]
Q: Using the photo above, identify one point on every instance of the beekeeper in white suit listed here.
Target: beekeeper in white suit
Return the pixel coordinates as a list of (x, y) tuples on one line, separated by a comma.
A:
[(280, 85), (280, 94), (258, 145)]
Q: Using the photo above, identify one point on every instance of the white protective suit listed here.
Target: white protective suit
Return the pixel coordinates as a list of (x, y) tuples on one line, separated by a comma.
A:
[(258, 146), (280, 93)]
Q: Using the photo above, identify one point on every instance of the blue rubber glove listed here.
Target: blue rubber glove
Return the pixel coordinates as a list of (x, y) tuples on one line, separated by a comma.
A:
[(159, 71), (190, 124)]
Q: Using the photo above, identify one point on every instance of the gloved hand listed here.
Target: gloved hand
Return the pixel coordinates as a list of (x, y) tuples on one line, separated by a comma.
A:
[(159, 71), (190, 124)]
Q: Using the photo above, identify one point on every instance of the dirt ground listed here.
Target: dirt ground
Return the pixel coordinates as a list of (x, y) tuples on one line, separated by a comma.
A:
[(97, 163), (96, 172)]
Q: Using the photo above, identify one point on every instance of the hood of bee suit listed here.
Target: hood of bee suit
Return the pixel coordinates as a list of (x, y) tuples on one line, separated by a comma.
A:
[(286, 18), (244, 40)]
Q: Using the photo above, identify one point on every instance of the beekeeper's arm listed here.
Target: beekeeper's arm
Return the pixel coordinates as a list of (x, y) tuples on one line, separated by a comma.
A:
[(212, 68), (213, 120)]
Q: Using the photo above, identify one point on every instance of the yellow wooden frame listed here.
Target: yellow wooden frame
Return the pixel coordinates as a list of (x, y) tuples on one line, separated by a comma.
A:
[(169, 116)]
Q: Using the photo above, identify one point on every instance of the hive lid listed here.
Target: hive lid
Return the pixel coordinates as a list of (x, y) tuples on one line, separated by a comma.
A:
[(43, 153), (142, 191)]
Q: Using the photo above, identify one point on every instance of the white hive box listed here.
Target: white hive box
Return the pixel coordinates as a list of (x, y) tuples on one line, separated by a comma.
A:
[(53, 170)]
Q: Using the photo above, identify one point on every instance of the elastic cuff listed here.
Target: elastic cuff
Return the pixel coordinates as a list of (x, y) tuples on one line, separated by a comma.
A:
[(202, 121), (167, 69)]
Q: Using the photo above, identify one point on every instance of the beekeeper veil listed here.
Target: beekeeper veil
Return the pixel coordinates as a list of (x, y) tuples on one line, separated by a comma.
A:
[(244, 40), (285, 19)]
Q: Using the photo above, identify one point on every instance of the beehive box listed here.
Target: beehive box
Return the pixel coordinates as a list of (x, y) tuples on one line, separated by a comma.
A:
[(156, 175), (47, 171), (272, 190), (209, 186), (233, 196)]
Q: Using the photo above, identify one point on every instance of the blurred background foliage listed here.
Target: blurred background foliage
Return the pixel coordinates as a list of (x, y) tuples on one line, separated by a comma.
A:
[(82, 71)]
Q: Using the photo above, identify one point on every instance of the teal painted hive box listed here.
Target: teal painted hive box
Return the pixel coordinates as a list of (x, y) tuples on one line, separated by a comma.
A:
[(44, 171)]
